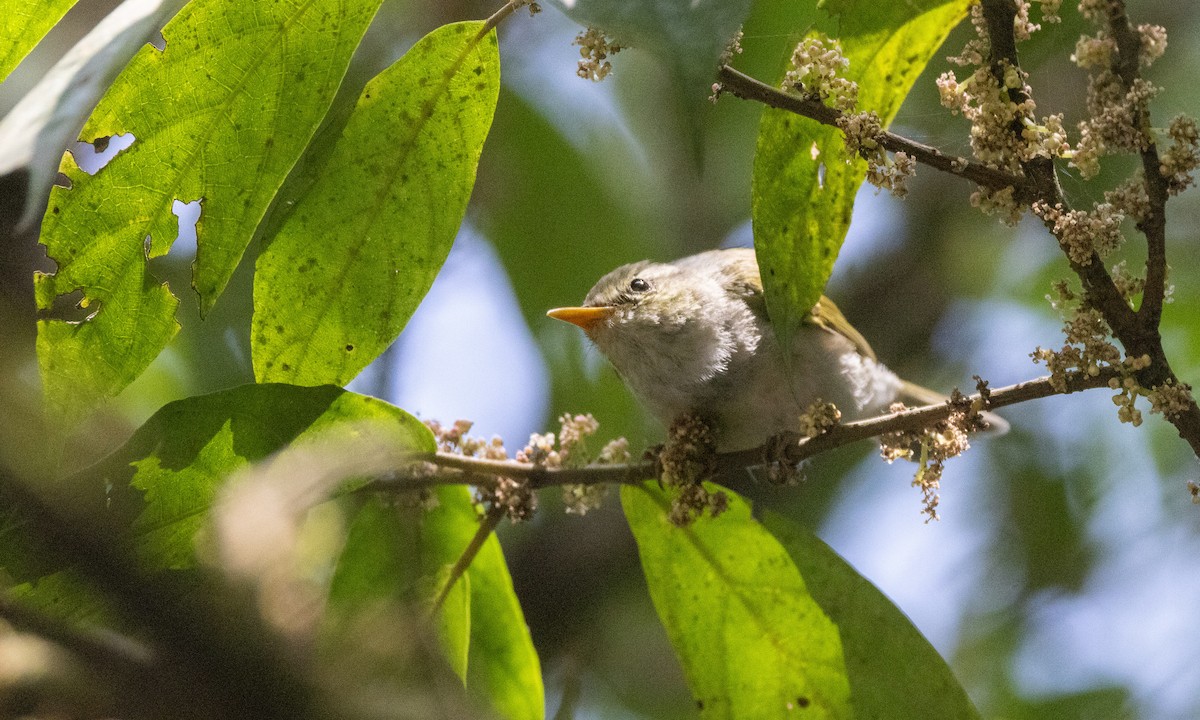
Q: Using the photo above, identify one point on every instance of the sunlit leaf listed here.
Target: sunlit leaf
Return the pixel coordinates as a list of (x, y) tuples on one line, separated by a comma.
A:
[(347, 269), (171, 469), (752, 641), (804, 186), (38, 129), (220, 116), (894, 672), (22, 24)]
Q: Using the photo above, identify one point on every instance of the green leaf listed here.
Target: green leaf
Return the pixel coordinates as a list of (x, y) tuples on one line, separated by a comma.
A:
[(401, 555), (803, 185), (894, 672), (348, 267), (687, 36), (220, 116), (166, 477), (504, 669), (37, 131), (752, 641), (23, 24)]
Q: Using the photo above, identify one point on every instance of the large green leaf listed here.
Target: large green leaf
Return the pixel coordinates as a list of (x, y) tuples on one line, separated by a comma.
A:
[(895, 673), (220, 116), (38, 129), (22, 24), (347, 269), (752, 641), (401, 555), (804, 185), (162, 483)]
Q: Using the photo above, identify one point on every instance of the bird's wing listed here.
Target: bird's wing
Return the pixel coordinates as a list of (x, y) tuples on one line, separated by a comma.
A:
[(741, 270), (827, 315)]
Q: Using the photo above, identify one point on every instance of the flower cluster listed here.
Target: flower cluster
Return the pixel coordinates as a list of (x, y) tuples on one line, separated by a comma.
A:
[(863, 134), (817, 65), (687, 460), (1082, 234), (819, 418), (1171, 399), (932, 446), (513, 497), (1118, 119), (594, 48), (534, 8), (1128, 390), (1183, 155), (454, 439)]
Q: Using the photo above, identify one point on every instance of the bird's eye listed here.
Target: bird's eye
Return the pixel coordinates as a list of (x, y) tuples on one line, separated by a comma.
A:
[(639, 285)]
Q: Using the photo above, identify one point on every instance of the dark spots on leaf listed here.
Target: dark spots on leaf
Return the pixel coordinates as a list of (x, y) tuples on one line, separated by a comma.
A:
[(802, 702), (366, 96), (771, 272), (349, 348), (56, 209), (826, 251), (404, 177), (699, 704), (464, 98), (478, 70), (285, 367), (480, 86), (269, 142), (279, 329)]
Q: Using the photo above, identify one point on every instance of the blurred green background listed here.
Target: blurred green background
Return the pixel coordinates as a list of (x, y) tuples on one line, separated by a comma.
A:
[(1061, 581)]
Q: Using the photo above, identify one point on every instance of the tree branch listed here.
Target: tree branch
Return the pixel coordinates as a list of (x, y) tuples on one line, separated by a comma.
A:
[(1138, 332), (745, 87), (482, 471), (1126, 65)]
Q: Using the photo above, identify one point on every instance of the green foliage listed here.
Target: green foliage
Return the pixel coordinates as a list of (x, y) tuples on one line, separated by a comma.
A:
[(687, 36), (176, 463), (22, 24), (401, 555), (220, 116), (347, 269), (804, 184), (894, 672), (752, 640)]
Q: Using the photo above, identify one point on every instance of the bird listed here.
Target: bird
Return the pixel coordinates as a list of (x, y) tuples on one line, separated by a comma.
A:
[(693, 336)]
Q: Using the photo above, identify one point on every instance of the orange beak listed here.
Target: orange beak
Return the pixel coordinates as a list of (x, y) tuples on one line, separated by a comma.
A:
[(585, 317)]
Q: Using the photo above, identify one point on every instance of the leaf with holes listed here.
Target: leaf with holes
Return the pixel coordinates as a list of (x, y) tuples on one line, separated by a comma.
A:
[(350, 264), (803, 184), (221, 115), (23, 24), (752, 641)]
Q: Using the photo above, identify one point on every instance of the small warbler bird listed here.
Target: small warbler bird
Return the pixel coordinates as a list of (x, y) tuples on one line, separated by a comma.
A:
[(693, 336)]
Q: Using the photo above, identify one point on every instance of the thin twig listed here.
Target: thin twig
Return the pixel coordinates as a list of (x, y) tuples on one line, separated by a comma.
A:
[(482, 471), (743, 86), (487, 525)]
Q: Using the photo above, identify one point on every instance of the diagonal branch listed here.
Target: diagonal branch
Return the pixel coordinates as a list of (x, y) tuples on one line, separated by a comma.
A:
[(745, 87)]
